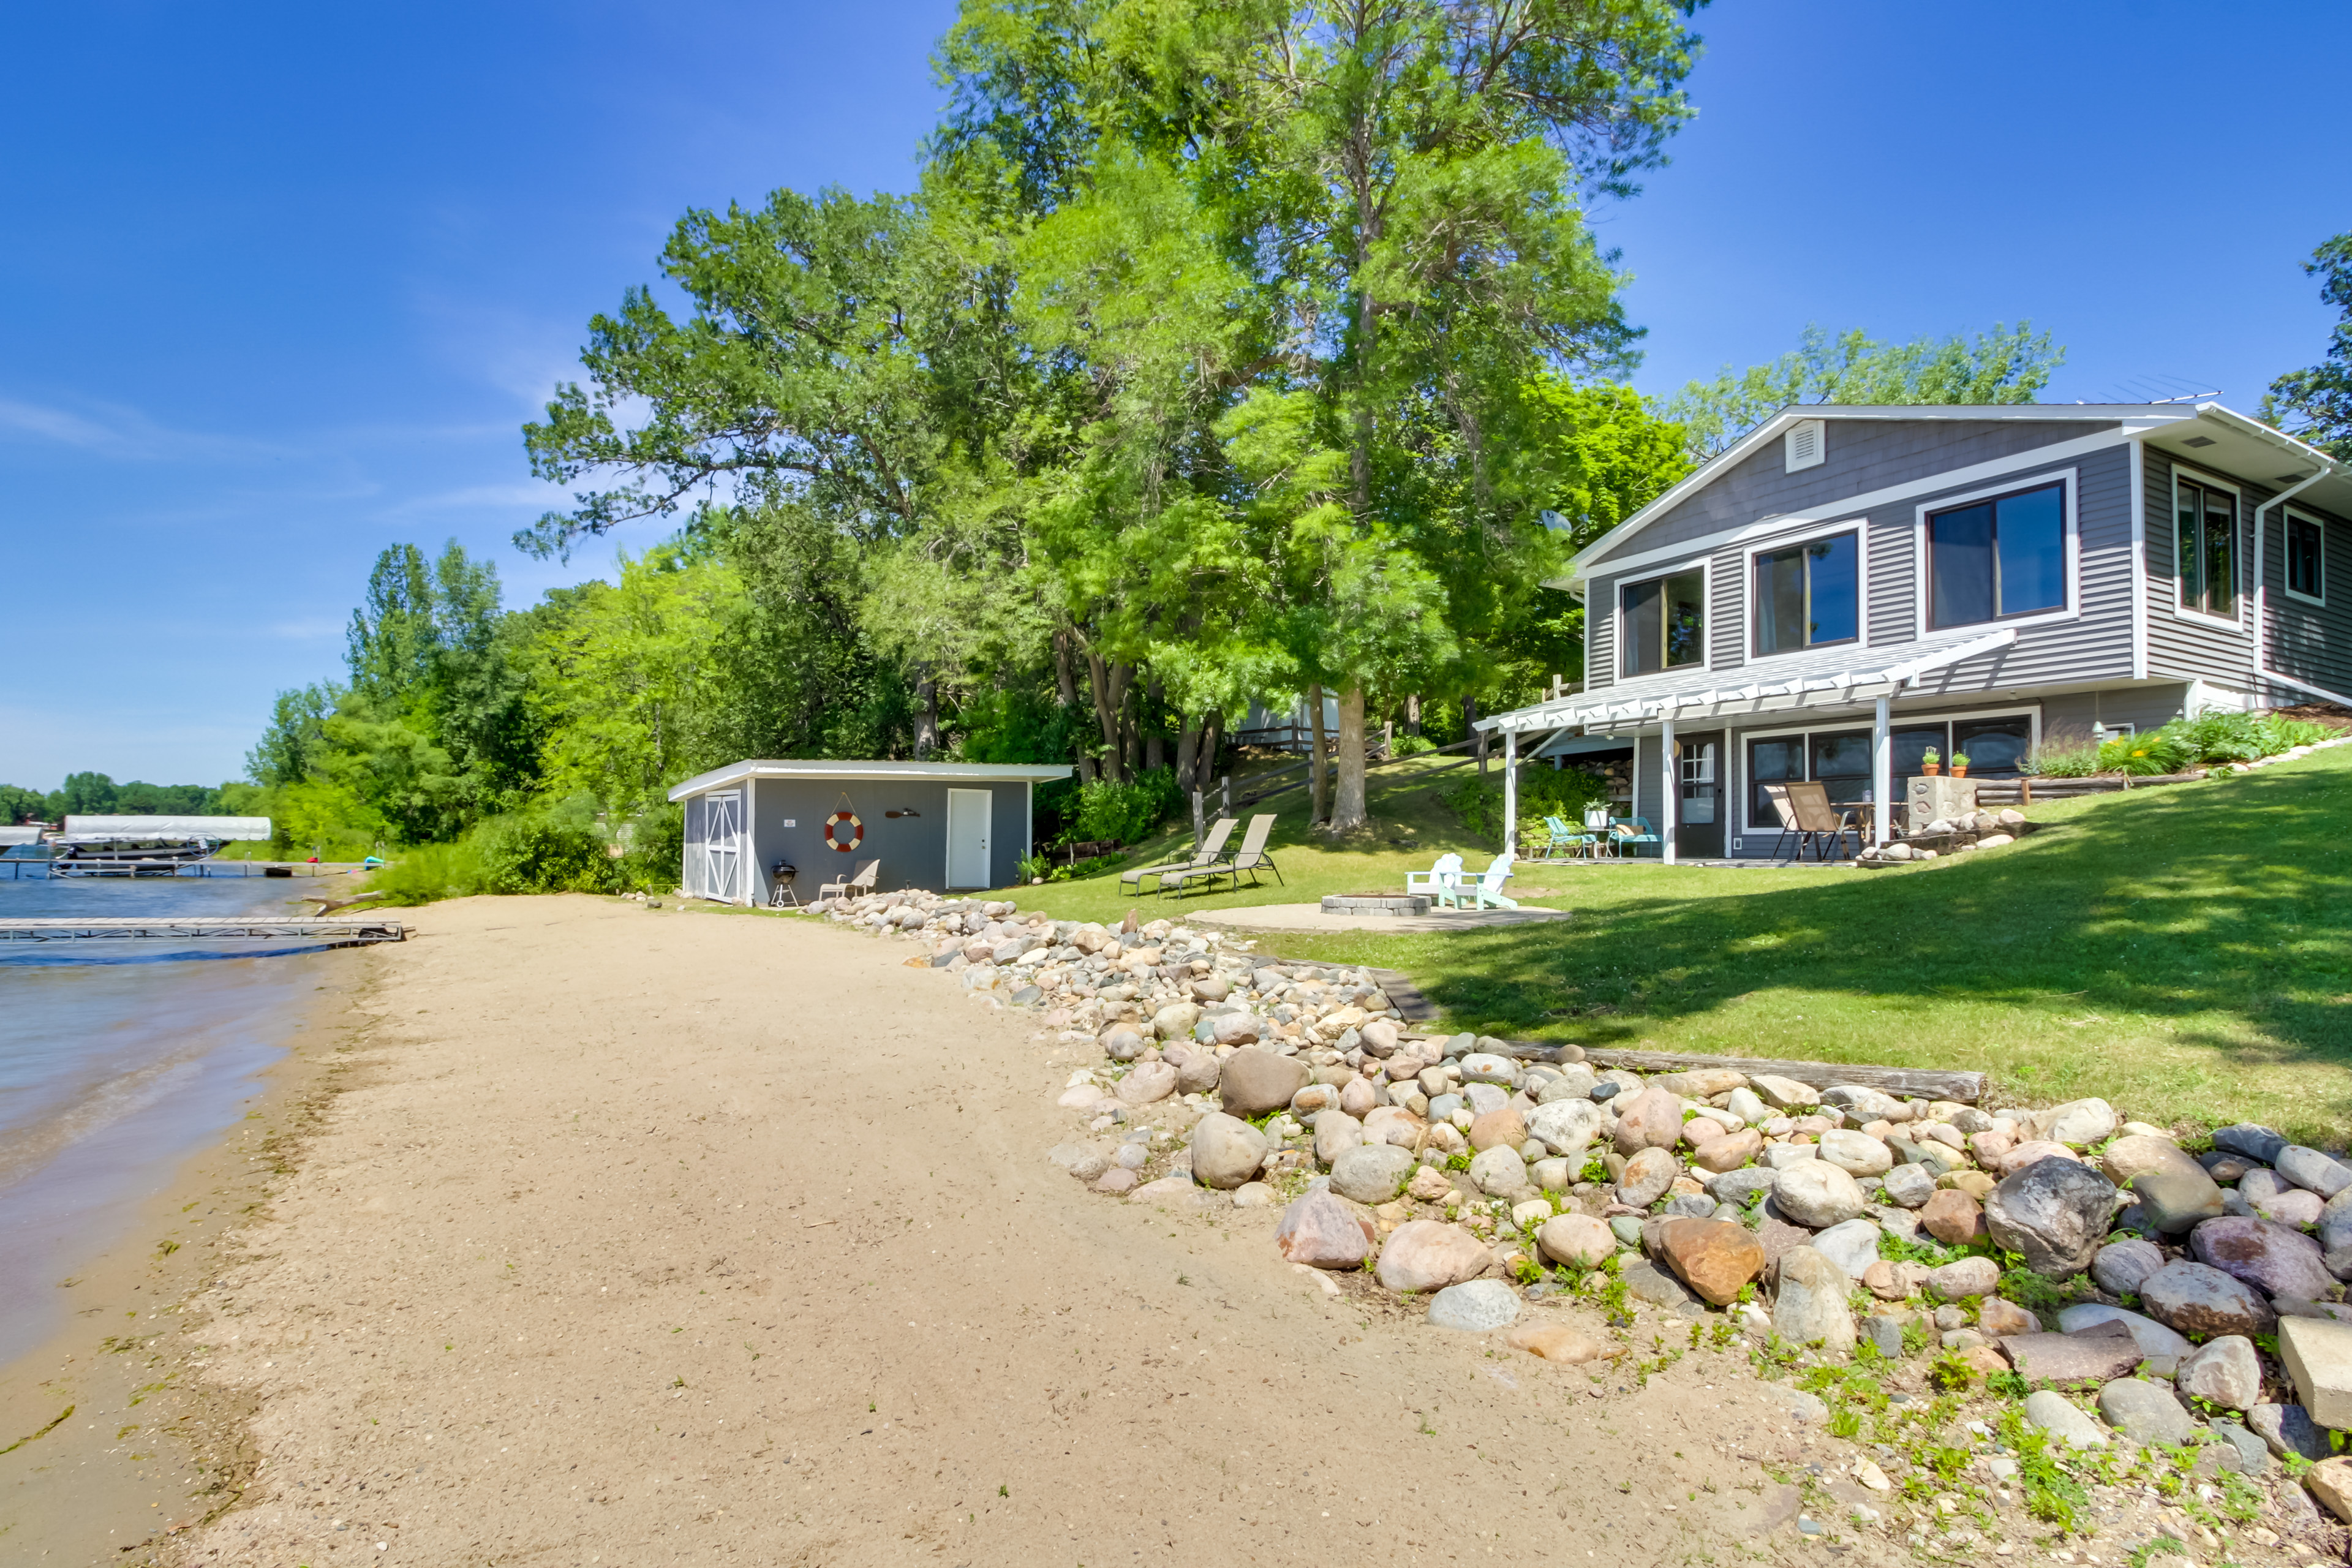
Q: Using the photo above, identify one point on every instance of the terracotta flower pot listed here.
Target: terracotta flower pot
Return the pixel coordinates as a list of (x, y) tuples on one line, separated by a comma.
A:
[(1931, 769), (1959, 770)]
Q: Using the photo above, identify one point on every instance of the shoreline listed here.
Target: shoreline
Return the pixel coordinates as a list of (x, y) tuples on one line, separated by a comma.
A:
[(149, 1450)]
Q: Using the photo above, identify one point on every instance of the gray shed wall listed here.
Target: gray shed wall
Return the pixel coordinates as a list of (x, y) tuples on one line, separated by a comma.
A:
[(913, 851)]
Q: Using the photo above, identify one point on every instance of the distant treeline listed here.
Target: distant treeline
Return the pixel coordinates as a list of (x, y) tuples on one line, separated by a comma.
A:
[(96, 794)]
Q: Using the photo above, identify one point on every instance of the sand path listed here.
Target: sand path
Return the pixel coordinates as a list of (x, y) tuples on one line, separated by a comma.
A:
[(651, 1237)]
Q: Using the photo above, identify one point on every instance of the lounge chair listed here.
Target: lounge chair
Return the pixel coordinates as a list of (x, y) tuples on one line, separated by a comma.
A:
[(1442, 882), (861, 883), (1211, 851), (1563, 839), (1778, 794), (1488, 886), (1817, 820), (1251, 858)]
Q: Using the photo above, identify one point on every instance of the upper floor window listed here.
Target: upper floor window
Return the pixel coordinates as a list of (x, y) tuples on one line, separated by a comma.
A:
[(1665, 623), (1808, 595), (1992, 559), (2205, 527), (2306, 558)]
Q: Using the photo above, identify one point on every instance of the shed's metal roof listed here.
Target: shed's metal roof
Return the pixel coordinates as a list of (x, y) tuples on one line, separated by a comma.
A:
[(977, 772), (1838, 676)]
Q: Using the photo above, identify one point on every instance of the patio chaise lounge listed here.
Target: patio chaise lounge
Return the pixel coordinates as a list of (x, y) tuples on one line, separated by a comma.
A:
[(861, 883), (1212, 849), (1251, 858)]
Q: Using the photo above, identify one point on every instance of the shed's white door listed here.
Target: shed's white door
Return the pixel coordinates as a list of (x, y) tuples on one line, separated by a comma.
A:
[(968, 838), (722, 846)]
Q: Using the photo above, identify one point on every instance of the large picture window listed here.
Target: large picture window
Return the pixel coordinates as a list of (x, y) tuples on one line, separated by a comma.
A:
[(1993, 559), (2205, 527), (1839, 760), (1665, 623), (2306, 558), (1809, 594)]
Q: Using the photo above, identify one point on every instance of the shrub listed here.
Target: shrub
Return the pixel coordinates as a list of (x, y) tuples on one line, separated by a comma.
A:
[(2147, 755), (429, 872), (1411, 745), (1125, 812), (1543, 792), (2071, 763), (657, 857), (536, 853)]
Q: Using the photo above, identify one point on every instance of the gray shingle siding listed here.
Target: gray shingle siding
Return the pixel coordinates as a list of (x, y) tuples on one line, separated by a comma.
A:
[(1858, 456), (2178, 645), (2312, 642)]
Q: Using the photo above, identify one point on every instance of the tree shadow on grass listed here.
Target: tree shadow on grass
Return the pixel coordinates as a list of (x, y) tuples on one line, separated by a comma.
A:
[(2231, 898)]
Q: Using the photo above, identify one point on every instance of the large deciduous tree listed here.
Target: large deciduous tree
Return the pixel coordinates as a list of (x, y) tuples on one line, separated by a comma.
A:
[(2316, 403)]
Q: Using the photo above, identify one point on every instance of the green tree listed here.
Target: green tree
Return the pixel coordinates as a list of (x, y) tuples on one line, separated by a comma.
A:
[(19, 805), (2315, 404), (2004, 365), (294, 742)]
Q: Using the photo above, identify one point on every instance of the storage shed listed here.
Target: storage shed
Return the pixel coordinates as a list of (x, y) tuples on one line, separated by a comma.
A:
[(948, 827)]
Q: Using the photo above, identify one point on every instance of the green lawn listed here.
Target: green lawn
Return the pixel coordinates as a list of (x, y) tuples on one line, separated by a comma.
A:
[(2185, 951)]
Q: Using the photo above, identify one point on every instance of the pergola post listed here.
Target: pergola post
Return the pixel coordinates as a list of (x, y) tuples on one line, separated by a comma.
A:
[(1670, 797), (1510, 792), (1882, 777)]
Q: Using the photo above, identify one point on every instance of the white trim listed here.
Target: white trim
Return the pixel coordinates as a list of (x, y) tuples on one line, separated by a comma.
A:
[(2141, 575), (2288, 517), (1860, 528), (1864, 720), (991, 772), (1990, 472), (1705, 565), (2181, 612), (2071, 541)]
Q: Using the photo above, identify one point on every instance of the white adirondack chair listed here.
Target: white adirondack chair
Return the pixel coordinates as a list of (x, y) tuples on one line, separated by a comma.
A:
[(1442, 882), (1488, 884)]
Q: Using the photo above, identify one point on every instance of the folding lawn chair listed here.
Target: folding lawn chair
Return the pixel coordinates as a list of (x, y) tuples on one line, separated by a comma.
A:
[(1818, 820), (861, 883)]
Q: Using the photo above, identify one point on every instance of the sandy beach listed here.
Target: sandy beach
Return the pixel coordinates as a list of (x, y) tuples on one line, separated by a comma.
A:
[(626, 1236)]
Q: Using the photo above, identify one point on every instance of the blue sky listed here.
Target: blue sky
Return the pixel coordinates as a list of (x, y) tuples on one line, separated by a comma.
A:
[(282, 283)]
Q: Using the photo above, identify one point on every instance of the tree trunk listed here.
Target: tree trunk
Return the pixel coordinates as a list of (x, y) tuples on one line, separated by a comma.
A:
[(1212, 733), (926, 714), (1064, 674), (1412, 714), (1187, 751), (1348, 806), (1316, 767), (1108, 682), (1155, 742)]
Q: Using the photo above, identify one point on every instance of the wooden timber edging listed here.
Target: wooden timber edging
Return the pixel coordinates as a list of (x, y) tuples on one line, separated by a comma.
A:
[(1923, 1083)]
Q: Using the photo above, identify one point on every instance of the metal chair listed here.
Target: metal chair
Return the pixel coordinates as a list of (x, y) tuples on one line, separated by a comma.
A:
[(1633, 830), (1778, 794), (1817, 820)]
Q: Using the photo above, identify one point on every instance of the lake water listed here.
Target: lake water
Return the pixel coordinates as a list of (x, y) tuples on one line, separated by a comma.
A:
[(118, 1059)]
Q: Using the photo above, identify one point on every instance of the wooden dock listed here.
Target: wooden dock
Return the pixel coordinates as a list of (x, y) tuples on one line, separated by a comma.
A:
[(41, 865), (344, 931)]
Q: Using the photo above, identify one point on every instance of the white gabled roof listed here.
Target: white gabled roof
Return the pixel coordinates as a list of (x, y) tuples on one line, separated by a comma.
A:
[(1835, 677), (983, 772)]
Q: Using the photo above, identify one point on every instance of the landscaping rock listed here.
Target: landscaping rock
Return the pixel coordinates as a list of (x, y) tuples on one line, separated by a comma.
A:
[(1322, 1232), (1863, 1104), (1700, 1083), (1499, 1173), (1226, 1150), (1372, 1172), (1856, 1154), (2154, 1337), (2177, 1199), (1852, 1245), (1785, 1093), (1147, 1084), (1647, 1176), (1198, 1073), (1557, 1341), (1576, 1240), (2055, 1414), (2054, 1212), (2258, 1144), (2204, 1302), (1712, 1256), (1335, 1132), (1954, 1218), (1731, 1151), (2099, 1354), (2312, 1171), (1393, 1124), (1817, 1193), (2289, 1429), (1257, 1082), (1653, 1121), (1566, 1126), (1998, 1319), (1910, 1185), (1808, 1306), (1647, 1282), (1498, 1130), (2224, 1371), (1483, 1067), (2120, 1268), (2145, 1411), (2078, 1123), (2330, 1481), (1738, 1187), (1429, 1255), (1963, 1278), (2264, 1254), (1175, 1021), (2317, 1354), (1476, 1307)]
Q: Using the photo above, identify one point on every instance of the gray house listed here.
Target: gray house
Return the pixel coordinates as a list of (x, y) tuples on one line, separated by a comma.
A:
[(941, 826), (1846, 588)]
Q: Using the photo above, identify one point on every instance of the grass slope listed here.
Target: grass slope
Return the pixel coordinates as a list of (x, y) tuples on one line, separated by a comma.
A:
[(2184, 951)]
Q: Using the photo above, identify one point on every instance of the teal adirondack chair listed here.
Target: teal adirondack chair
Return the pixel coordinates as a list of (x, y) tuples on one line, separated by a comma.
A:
[(1488, 884), (1564, 838), (1442, 882)]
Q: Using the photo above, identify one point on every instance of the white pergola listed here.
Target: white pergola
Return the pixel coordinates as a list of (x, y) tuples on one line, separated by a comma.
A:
[(1835, 678)]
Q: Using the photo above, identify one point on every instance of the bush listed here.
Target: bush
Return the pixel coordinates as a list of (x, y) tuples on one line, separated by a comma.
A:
[(657, 857), (2184, 743), (1564, 793), (1411, 745), (1127, 812), (429, 872), (2147, 755), (535, 853), (2074, 762)]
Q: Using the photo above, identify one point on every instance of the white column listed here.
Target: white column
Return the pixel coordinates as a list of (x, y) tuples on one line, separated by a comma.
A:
[(1882, 775), (1671, 799), (1511, 790)]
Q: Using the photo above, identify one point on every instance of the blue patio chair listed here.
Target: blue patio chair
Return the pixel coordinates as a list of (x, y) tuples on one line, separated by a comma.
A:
[(1563, 838), (1629, 833), (1442, 882), (1488, 884)]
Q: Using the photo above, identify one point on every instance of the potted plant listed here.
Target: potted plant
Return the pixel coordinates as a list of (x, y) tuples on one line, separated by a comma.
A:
[(1931, 761), (1959, 764)]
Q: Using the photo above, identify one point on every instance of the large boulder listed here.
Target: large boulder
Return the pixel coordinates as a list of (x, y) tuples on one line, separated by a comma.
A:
[(2056, 1212), (1713, 1257), (1576, 1240), (1372, 1172), (2265, 1254), (1322, 1232), (1816, 1193), (1808, 1306), (2203, 1302), (1653, 1121), (1255, 1081), (1646, 1177), (1226, 1150), (1430, 1255)]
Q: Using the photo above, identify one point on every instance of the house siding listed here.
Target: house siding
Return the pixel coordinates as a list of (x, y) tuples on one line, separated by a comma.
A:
[(2310, 642), (2178, 645), (2067, 718)]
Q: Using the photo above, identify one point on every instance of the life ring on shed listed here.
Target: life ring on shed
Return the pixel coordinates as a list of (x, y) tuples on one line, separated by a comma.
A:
[(857, 830)]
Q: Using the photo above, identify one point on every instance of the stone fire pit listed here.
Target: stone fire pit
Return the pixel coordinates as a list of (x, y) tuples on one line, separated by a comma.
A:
[(1376, 903)]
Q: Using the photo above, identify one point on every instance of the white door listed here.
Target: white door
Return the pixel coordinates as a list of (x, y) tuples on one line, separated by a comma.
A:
[(968, 811), (722, 846)]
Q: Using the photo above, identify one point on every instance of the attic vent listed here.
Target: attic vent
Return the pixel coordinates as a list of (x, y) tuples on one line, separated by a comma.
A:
[(2198, 441), (1803, 442)]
